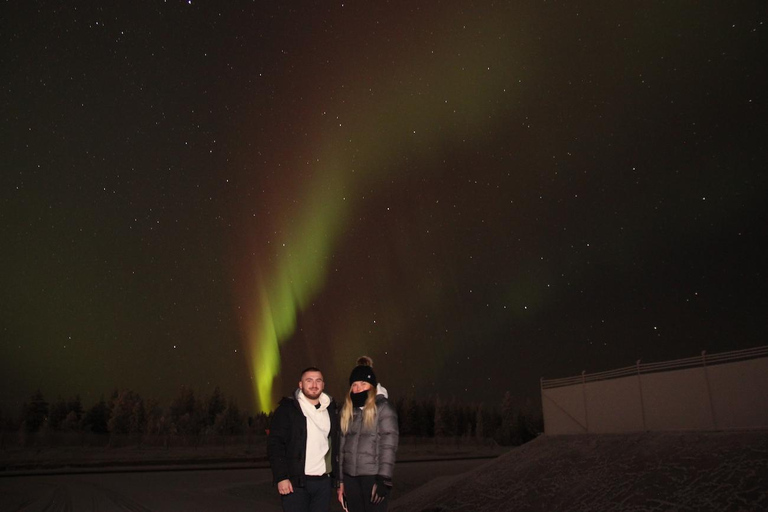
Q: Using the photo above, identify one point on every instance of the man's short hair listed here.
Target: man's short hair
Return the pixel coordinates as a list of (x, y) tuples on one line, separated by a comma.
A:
[(310, 369)]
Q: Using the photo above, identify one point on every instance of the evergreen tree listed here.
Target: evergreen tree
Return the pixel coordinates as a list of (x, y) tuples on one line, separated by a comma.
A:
[(97, 417), (530, 421), (10, 423), (138, 422), (450, 417), (44, 434), (418, 418), (479, 433), (23, 433), (410, 422), (428, 416), (260, 423), (127, 413), (463, 423), (111, 401), (470, 420), (154, 414), (509, 434), (35, 412), (231, 421), (160, 425), (440, 427), (186, 412), (184, 403), (399, 410), (70, 423), (523, 429), (215, 405), (58, 411), (6, 422), (76, 406)]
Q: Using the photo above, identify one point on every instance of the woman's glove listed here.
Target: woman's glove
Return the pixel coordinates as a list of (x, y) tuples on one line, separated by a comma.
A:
[(380, 489)]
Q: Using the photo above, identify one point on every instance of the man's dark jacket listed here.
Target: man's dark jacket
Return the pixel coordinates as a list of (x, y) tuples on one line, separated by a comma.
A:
[(287, 442)]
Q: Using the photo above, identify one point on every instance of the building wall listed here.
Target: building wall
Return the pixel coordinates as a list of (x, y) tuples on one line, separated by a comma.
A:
[(730, 395), (740, 394)]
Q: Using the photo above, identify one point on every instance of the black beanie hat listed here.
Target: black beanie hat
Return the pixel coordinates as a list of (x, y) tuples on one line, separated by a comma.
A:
[(363, 373)]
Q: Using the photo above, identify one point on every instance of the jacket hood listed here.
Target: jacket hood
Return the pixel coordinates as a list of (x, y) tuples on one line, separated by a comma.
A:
[(381, 390)]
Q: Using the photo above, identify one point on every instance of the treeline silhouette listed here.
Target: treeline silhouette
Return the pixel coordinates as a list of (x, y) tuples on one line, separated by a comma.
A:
[(129, 418)]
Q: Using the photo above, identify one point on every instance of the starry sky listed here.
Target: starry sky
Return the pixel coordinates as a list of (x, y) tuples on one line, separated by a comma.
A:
[(475, 194)]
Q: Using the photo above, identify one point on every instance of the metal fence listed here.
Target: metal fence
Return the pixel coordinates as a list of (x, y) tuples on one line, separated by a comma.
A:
[(675, 364)]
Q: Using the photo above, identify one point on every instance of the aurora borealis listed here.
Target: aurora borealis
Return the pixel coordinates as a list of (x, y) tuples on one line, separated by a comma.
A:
[(476, 195), (349, 154)]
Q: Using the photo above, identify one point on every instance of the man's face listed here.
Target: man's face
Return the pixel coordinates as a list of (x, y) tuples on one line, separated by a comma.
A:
[(311, 384)]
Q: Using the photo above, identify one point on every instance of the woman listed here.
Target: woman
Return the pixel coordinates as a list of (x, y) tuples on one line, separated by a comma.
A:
[(369, 437)]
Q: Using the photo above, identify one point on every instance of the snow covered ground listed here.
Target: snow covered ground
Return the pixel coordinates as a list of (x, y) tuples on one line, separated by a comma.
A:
[(231, 490), (214, 478), (192, 491), (645, 472)]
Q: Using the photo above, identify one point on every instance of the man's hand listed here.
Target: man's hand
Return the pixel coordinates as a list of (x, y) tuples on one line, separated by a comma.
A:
[(340, 495), (380, 489), (284, 486)]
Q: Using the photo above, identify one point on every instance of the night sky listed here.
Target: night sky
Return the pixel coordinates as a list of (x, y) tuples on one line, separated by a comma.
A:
[(475, 194)]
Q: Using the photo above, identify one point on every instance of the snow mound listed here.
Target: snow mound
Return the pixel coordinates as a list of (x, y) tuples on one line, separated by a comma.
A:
[(643, 472)]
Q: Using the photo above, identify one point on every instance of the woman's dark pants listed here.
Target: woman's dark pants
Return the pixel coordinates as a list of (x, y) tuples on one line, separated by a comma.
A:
[(358, 491)]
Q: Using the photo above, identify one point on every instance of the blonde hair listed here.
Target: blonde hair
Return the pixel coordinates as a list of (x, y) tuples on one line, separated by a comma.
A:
[(369, 411)]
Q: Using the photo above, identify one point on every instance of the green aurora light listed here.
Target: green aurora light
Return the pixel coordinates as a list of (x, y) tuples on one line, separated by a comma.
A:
[(470, 67)]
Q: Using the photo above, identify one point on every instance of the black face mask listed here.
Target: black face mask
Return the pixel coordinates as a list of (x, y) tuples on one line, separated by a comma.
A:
[(358, 399)]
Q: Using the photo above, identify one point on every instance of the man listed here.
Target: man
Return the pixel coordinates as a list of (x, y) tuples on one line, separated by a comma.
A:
[(303, 446)]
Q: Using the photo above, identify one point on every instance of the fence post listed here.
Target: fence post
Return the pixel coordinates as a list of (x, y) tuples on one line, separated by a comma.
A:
[(640, 388), (584, 398), (709, 389)]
